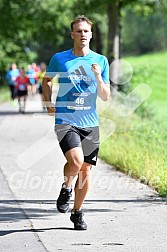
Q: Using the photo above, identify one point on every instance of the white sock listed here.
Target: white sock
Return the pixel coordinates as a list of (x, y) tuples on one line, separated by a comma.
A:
[(65, 187), (73, 210)]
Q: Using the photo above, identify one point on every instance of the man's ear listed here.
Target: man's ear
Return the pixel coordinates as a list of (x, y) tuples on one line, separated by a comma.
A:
[(72, 35)]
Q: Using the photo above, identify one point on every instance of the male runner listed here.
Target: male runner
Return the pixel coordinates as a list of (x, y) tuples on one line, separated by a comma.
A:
[(82, 75)]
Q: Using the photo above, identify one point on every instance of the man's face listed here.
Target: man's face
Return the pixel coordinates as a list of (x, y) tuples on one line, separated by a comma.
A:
[(81, 34), (14, 66)]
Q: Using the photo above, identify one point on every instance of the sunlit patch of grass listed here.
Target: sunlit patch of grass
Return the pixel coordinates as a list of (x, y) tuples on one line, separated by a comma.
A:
[(4, 93), (139, 143)]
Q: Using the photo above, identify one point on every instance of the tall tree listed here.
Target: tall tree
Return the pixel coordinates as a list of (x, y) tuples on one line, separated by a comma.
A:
[(113, 12), (26, 25), (115, 8), (44, 26)]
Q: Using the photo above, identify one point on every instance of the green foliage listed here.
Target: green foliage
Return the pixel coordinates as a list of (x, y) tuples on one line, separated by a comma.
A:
[(26, 25), (34, 30), (139, 144), (143, 33), (4, 93), (139, 149)]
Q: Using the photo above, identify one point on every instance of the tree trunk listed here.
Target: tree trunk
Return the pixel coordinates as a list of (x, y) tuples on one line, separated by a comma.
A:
[(113, 32), (114, 43), (98, 37)]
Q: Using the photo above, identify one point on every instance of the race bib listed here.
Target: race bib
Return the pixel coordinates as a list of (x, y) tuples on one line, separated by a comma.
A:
[(21, 87), (79, 101)]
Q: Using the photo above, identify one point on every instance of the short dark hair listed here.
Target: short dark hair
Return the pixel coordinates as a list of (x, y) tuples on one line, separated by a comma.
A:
[(80, 18)]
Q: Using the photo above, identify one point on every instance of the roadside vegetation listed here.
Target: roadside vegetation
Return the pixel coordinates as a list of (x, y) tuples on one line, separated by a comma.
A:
[(4, 93), (138, 146)]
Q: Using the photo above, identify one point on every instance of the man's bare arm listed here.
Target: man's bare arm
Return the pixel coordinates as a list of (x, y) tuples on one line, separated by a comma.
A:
[(47, 93), (103, 89)]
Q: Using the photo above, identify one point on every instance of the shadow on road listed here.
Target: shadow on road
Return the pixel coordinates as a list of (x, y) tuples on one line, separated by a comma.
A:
[(12, 210), (17, 210), (7, 232), (13, 113)]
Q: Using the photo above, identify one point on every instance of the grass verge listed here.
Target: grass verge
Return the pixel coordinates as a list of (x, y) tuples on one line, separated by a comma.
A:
[(4, 93), (139, 144)]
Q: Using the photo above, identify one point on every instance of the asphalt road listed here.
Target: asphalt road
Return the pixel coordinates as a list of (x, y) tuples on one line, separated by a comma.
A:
[(122, 214)]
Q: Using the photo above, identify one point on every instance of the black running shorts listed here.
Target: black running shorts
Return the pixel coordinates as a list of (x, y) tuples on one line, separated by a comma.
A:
[(21, 93), (70, 137)]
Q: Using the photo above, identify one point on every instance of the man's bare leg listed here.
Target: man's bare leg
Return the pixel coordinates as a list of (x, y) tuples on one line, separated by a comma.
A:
[(81, 189), (74, 164), (82, 186)]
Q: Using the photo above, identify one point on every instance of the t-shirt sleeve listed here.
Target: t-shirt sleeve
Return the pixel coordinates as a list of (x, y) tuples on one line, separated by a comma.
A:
[(105, 71), (8, 76), (52, 67)]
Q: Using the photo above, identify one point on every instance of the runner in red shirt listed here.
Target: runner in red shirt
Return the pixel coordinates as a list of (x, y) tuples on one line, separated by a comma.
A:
[(21, 86)]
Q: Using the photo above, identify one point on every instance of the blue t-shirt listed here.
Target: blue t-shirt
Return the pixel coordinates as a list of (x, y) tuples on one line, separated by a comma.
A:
[(30, 73), (11, 76), (76, 99)]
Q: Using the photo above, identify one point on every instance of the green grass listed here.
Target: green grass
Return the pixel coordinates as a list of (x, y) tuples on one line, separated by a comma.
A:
[(4, 93), (139, 144), (151, 69)]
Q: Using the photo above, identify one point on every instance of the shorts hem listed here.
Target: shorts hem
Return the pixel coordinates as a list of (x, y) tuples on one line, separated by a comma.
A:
[(70, 148), (91, 162)]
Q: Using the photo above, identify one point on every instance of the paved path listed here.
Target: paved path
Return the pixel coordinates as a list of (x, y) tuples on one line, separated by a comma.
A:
[(122, 214)]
